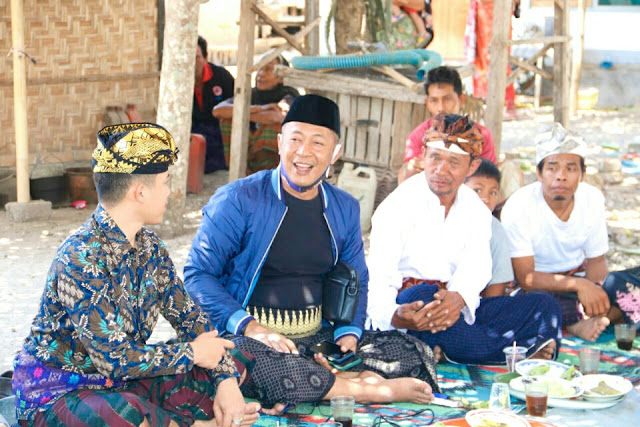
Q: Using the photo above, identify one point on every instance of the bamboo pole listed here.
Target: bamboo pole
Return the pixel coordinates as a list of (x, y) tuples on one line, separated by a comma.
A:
[(561, 64), (541, 53), (242, 93), (311, 12), (20, 101), (537, 84), (400, 78), (498, 52), (576, 63), (299, 36), (529, 67), (544, 40), (293, 42)]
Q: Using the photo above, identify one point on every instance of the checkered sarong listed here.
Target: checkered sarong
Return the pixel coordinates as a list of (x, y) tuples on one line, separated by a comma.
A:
[(530, 320), (262, 152)]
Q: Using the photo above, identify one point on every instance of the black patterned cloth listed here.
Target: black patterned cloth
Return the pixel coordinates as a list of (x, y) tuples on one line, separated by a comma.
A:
[(288, 378)]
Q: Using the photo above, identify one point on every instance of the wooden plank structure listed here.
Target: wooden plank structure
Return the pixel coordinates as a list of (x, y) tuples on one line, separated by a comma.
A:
[(242, 94), (376, 116), (499, 53)]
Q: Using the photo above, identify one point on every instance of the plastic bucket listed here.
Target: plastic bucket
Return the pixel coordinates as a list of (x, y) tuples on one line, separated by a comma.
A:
[(361, 183), (81, 186)]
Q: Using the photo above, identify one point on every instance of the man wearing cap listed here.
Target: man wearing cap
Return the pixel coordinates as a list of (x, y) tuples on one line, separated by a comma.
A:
[(430, 258), (558, 236), (256, 267), (87, 360)]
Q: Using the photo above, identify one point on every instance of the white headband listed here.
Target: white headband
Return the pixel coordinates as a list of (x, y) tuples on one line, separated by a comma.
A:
[(453, 147)]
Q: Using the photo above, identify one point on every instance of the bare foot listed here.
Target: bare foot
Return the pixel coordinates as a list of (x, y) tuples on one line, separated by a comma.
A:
[(276, 410), (437, 354), (589, 329), (408, 390), (546, 352)]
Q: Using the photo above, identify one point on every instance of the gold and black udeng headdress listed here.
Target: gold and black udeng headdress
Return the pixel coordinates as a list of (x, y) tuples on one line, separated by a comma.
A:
[(138, 148), (454, 133)]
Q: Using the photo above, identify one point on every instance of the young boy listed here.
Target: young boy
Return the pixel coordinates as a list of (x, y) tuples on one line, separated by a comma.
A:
[(486, 183)]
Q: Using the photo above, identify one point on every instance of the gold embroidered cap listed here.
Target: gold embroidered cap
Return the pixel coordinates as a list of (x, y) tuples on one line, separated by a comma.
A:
[(454, 133), (137, 148)]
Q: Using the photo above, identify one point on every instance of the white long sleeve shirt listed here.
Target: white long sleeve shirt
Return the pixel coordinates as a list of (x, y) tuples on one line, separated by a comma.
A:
[(411, 237)]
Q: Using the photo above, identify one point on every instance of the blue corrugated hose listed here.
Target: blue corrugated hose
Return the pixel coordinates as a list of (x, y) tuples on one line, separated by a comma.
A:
[(421, 58)]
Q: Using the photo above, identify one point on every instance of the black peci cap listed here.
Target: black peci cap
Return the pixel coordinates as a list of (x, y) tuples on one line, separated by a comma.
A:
[(315, 110)]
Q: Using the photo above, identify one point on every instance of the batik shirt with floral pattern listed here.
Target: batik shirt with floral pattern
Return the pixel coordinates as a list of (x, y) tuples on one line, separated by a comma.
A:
[(101, 302)]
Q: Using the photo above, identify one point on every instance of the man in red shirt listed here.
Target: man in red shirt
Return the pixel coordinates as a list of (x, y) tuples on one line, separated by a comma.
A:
[(444, 95)]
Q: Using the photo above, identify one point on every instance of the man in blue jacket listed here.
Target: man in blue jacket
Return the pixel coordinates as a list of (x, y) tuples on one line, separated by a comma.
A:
[(256, 267)]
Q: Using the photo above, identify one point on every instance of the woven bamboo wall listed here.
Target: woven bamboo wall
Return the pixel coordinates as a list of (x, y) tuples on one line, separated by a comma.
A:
[(90, 54)]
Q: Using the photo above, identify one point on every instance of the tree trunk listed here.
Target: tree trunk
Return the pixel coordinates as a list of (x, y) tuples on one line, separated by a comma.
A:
[(175, 101), (347, 23)]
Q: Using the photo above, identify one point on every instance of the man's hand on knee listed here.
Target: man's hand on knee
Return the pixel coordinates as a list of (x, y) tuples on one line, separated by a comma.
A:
[(268, 337), (593, 298), (208, 349), (412, 316), (444, 310), (229, 408)]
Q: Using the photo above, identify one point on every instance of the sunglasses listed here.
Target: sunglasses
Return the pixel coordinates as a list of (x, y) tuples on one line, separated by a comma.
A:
[(395, 420), (292, 413)]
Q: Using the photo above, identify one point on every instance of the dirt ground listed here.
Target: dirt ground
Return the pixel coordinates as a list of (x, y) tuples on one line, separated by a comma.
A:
[(26, 249)]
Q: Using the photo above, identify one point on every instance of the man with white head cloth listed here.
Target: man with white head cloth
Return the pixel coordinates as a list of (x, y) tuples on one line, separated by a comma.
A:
[(558, 236), (430, 259)]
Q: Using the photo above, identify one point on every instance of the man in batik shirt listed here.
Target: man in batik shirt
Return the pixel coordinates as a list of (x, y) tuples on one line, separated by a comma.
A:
[(86, 360)]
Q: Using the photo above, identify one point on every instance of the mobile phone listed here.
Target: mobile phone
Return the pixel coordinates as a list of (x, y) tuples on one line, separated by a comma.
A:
[(349, 363), (331, 351)]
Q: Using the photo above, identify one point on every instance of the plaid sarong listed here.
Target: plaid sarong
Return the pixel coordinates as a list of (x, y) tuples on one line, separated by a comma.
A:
[(262, 152), (182, 398)]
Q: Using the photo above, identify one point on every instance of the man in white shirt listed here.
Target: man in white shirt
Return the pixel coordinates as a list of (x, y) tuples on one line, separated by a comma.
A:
[(558, 237), (429, 259)]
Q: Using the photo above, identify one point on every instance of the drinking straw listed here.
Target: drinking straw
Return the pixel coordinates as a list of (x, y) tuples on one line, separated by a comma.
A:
[(513, 356)]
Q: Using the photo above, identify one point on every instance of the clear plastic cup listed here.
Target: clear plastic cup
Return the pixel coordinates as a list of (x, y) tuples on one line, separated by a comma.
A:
[(513, 355), (589, 360), (536, 393), (499, 398), (342, 408), (625, 335)]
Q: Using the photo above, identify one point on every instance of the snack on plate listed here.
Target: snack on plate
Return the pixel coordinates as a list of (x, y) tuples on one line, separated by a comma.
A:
[(603, 389), (539, 370), (560, 388), (491, 423), (569, 374), (494, 418)]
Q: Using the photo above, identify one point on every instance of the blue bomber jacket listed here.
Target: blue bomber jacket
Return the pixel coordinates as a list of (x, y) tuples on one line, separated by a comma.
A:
[(238, 226)]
